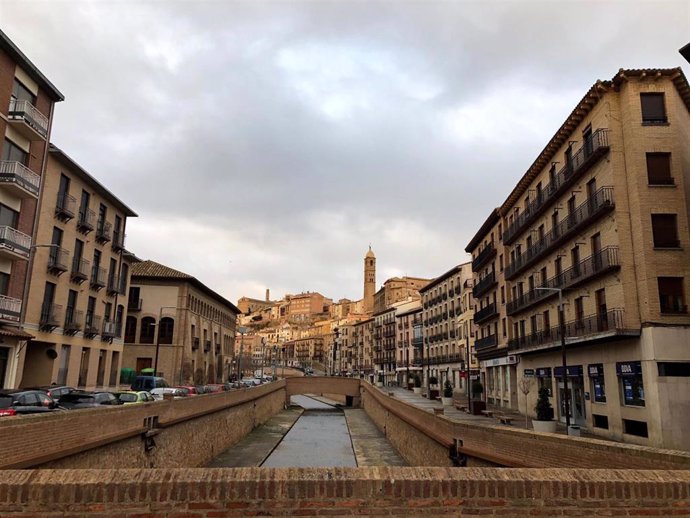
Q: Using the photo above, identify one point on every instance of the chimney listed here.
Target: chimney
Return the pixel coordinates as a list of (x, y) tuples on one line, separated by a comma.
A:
[(268, 295)]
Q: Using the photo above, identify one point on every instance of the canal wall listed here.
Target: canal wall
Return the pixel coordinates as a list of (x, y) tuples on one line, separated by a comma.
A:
[(375, 492), (164, 434), (424, 439)]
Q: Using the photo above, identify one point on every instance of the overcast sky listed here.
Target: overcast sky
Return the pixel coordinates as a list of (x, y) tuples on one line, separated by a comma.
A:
[(266, 144)]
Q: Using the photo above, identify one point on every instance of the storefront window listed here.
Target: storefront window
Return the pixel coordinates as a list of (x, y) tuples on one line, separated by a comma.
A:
[(544, 379), (630, 375), (596, 377)]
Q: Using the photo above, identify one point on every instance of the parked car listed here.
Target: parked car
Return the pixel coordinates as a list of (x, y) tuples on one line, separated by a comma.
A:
[(190, 389), (158, 393), (56, 391), (148, 383), (132, 397), (21, 402), (202, 389), (80, 399), (216, 387), (250, 382)]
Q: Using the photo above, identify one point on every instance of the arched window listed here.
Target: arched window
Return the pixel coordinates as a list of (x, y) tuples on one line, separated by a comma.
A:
[(148, 330), (165, 333), (131, 330)]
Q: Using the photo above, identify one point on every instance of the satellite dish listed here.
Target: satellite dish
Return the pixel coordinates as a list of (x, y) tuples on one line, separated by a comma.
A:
[(51, 353)]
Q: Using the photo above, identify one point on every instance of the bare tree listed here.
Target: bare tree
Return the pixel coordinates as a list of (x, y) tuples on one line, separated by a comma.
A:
[(525, 385)]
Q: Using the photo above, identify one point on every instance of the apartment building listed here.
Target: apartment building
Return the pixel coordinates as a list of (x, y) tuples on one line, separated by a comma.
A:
[(446, 354), (27, 99), (80, 271), (307, 305), (181, 324), (363, 335), (492, 326), (408, 359), (384, 345), (601, 219), (398, 289)]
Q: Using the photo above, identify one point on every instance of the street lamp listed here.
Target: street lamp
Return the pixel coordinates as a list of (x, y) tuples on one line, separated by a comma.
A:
[(561, 315)]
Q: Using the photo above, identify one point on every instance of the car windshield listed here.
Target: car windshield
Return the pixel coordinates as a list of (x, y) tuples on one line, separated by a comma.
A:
[(5, 402), (127, 398)]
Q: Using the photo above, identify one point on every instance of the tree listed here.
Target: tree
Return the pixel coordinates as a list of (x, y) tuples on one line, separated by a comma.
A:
[(543, 408)]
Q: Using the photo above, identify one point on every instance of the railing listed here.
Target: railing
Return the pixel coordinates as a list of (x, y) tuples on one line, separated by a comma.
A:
[(486, 342), (16, 172), (594, 147), (80, 269), (593, 207), (485, 313), (73, 319), (98, 277), (207, 346), (21, 109), (103, 231), (15, 241), (113, 284), (483, 257), (86, 220), (603, 261), (50, 315), (58, 259), (92, 324), (108, 330), (195, 342), (118, 241), (484, 284), (65, 206), (584, 328), (10, 308)]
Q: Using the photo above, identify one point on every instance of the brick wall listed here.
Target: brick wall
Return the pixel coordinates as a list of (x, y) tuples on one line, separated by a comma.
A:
[(424, 440), (206, 493)]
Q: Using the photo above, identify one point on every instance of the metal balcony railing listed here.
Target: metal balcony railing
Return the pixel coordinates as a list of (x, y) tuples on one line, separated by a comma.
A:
[(50, 316), (113, 284), (118, 241), (103, 231), (58, 260), (97, 277), (73, 320), (92, 325), (87, 220), (10, 309), (594, 207), (594, 147), (483, 257), (24, 110), (589, 268), (108, 330), (18, 174), (486, 342), (65, 206), (80, 269), (578, 330), (207, 346), (195, 343), (15, 242), (485, 313), (484, 284)]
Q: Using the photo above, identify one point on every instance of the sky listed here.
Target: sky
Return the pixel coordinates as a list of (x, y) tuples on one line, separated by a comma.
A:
[(268, 144)]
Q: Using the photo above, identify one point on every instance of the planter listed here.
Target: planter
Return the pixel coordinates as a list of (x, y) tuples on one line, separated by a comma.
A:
[(447, 401), (417, 390), (433, 394), (544, 426), (476, 406)]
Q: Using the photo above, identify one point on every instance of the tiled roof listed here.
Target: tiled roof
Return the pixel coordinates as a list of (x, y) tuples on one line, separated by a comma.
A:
[(154, 269)]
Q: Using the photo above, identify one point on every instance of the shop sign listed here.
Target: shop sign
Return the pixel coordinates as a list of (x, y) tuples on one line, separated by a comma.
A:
[(572, 370), (628, 368), (528, 373), (543, 372), (595, 370)]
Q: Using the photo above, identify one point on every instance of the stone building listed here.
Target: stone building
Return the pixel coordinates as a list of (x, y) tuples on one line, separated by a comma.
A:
[(408, 344), (307, 306), (187, 325), (363, 337), (27, 98), (248, 305), (80, 271), (398, 289), (601, 217), (369, 282)]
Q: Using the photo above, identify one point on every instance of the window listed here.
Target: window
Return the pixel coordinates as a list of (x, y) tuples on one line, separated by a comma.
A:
[(653, 109), (148, 330), (596, 378), (167, 326), (4, 284), (546, 322), (630, 376), (671, 298), (63, 191), (8, 217), (665, 231), (659, 169), (579, 312), (130, 329), (600, 421), (544, 379), (115, 360), (632, 427), (503, 294), (675, 369), (13, 153)]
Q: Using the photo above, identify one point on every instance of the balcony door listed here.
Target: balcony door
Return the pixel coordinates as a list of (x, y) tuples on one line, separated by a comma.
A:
[(63, 190), (48, 298), (596, 252), (602, 312), (71, 306), (13, 153), (57, 241)]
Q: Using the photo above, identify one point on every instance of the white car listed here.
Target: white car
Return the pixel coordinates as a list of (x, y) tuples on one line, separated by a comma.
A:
[(157, 393)]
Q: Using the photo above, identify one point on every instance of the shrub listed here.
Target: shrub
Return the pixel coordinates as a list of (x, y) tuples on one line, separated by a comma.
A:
[(543, 408), (417, 381), (477, 388), (433, 380), (447, 389)]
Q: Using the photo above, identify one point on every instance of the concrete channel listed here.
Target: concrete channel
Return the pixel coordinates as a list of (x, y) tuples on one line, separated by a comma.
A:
[(313, 432)]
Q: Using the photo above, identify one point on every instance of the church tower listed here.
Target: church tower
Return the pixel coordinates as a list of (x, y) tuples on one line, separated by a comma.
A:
[(369, 280)]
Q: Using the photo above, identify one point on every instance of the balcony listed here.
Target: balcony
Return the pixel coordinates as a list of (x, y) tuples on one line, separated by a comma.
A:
[(14, 244), (485, 313), (18, 179), (109, 330), (80, 270), (485, 284), (583, 330), (73, 320), (103, 231), (97, 278), (58, 260), (86, 221), (27, 120), (10, 309), (595, 207), (134, 304), (50, 316), (593, 148), (65, 207), (483, 257), (118, 241), (92, 325), (114, 285), (195, 343), (487, 342), (207, 346), (598, 264)]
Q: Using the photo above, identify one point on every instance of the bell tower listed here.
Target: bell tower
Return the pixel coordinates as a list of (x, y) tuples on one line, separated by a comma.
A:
[(369, 280)]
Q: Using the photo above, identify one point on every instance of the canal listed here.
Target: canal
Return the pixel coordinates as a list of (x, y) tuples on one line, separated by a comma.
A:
[(313, 432)]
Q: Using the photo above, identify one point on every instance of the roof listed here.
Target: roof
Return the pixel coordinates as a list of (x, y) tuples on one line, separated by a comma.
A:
[(32, 70), (152, 270), (581, 110), (483, 230), (14, 332), (370, 254), (65, 159)]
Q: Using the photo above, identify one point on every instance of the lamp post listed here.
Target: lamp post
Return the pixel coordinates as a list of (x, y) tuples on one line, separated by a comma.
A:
[(242, 330), (561, 316)]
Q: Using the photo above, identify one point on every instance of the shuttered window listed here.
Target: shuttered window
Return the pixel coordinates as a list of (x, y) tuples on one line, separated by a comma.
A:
[(653, 108), (665, 231), (659, 169)]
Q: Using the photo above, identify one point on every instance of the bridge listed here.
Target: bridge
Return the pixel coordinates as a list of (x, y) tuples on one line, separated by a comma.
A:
[(177, 436)]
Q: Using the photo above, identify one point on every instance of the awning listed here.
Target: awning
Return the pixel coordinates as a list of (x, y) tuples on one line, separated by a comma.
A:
[(15, 332)]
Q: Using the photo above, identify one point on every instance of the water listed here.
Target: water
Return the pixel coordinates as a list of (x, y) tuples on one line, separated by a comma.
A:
[(320, 438)]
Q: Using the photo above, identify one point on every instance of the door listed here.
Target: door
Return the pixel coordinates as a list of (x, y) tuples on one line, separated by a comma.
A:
[(144, 363), (577, 401)]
